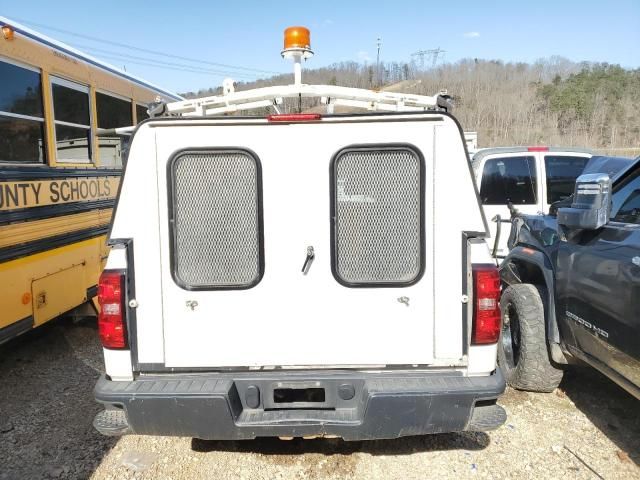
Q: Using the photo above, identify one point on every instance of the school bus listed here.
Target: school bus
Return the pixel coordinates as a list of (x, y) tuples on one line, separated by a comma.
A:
[(58, 175)]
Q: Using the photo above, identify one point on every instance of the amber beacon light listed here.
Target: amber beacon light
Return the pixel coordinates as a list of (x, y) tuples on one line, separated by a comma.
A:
[(297, 46), (298, 38), (7, 32)]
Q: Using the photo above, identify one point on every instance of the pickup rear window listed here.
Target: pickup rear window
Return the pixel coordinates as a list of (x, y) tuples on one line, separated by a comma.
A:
[(509, 179)]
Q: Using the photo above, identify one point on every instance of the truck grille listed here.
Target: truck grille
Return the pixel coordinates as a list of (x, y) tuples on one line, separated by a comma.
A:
[(378, 216), (216, 220)]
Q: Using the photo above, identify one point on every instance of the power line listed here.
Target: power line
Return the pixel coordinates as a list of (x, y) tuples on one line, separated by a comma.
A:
[(153, 52), (164, 66), (124, 56)]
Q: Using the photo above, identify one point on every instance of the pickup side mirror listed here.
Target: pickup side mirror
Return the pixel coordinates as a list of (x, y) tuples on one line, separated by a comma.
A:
[(591, 205)]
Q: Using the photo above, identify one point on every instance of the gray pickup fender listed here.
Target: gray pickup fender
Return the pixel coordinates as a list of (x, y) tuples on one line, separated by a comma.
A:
[(538, 259)]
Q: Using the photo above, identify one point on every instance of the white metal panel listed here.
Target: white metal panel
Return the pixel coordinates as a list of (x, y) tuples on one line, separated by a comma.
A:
[(137, 218), (455, 209)]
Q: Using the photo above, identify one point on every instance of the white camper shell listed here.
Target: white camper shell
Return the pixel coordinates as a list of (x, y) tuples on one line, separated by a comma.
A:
[(299, 275)]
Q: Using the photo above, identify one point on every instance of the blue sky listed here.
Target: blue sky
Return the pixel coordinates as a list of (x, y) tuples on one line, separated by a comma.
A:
[(249, 33)]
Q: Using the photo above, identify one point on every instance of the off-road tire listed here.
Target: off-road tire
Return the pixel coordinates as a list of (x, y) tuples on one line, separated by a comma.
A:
[(531, 369)]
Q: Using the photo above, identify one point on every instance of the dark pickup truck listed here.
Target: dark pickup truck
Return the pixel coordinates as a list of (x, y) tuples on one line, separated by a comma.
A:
[(571, 283)]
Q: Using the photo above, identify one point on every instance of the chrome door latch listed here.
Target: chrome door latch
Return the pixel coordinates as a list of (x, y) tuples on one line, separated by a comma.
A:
[(404, 300), (192, 304), (309, 260)]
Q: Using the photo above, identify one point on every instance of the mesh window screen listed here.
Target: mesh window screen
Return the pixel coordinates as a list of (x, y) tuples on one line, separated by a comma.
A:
[(216, 220), (378, 217)]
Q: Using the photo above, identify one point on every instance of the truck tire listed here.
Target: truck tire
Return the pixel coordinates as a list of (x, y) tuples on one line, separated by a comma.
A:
[(522, 350)]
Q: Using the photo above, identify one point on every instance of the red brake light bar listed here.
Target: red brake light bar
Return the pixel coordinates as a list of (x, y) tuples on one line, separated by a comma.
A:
[(537, 149), (294, 117)]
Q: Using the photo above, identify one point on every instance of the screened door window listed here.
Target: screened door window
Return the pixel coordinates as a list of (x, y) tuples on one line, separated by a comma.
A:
[(562, 172), (21, 115), (626, 201), (72, 120), (141, 113), (509, 179), (216, 220), (378, 217)]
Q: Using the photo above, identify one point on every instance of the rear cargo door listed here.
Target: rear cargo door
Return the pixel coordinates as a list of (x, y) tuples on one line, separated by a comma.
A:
[(300, 244)]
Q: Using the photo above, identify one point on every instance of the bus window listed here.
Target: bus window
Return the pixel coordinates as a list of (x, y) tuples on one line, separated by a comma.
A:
[(112, 112), (72, 121), (141, 112), (21, 117)]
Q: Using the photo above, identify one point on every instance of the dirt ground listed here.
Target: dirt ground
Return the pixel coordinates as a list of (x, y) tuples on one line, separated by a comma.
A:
[(589, 428)]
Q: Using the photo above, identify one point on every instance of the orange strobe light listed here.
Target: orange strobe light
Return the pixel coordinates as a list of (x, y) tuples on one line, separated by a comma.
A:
[(297, 37), (7, 32)]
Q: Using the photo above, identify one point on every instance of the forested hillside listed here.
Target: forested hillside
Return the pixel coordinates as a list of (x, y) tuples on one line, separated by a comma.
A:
[(553, 101)]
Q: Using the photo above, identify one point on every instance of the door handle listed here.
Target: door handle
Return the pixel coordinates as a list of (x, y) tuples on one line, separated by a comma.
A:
[(636, 261), (308, 260)]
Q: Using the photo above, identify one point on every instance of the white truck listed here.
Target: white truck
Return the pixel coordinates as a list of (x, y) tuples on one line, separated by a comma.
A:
[(299, 275), (530, 178)]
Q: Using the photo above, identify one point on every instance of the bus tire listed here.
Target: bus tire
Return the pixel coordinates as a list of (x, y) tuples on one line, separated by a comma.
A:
[(523, 354)]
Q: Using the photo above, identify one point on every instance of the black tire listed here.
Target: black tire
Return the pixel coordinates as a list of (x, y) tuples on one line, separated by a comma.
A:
[(522, 351)]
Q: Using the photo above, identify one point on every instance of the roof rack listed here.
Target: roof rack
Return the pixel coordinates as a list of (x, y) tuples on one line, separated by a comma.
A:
[(330, 95)]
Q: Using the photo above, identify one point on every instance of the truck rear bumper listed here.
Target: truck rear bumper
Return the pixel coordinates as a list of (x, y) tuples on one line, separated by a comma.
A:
[(351, 405)]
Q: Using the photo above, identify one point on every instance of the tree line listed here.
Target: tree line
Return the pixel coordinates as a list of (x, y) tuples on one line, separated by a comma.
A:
[(552, 101)]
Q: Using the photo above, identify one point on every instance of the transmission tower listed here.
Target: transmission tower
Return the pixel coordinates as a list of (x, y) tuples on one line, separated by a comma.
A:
[(433, 53)]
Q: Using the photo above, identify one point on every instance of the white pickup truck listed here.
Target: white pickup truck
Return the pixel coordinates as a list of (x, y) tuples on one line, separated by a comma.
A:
[(531, 178), (299, 275)]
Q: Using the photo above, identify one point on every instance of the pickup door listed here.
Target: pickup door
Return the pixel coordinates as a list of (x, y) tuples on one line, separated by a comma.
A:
[(598, 288)]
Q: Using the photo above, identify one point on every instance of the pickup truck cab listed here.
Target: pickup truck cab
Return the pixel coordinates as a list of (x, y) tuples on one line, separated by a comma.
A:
[(572, 283), (299, 275), (530, 178)]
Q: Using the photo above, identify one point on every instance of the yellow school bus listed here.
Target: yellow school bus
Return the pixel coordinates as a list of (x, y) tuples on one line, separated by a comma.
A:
[(58, 177)]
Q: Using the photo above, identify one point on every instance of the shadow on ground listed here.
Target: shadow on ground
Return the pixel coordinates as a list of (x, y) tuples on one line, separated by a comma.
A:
[(46, 403), (609, 407), (334, 446)]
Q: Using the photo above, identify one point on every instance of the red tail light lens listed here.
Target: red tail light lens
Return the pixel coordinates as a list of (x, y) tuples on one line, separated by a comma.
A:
[(294, 117), (486, 309), (111, 320), (538, 149)]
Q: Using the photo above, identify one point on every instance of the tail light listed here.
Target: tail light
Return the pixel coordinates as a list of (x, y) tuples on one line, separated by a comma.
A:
[(111, 320), (486, 310)]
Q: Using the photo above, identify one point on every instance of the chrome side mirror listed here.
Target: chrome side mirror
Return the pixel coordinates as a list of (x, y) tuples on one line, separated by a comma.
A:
[(591, 207)]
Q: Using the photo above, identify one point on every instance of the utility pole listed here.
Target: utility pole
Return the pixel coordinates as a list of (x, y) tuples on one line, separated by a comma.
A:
[(379, 44)]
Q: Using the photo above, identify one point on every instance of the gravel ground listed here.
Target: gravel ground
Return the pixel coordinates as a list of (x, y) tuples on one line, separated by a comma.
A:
[(589, 428)]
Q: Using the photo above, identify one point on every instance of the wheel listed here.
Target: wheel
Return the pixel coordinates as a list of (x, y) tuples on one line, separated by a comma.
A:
[(522, 350)]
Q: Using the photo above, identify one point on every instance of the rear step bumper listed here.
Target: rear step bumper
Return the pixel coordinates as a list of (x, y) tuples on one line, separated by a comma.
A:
[(351, 405)]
